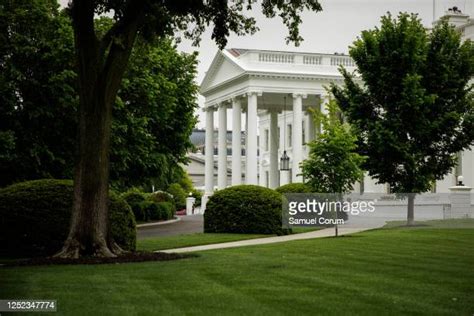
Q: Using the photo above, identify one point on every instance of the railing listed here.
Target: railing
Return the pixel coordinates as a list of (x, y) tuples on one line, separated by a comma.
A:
[(312, 60), (344, 61), (305, 59), (276, 58)]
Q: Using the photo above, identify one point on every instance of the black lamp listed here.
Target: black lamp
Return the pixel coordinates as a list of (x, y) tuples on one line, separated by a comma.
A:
[(284, 162)]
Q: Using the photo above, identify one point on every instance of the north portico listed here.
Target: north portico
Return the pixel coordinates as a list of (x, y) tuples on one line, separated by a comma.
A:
[(278, 89), (268, 95)]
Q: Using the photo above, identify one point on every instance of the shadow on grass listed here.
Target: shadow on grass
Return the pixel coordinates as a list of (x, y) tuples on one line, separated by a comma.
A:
[(139, 256)]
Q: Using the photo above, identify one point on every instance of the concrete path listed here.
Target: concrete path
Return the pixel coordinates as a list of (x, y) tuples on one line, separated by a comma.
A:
[(327, 232), (170, 221), (186, 225)]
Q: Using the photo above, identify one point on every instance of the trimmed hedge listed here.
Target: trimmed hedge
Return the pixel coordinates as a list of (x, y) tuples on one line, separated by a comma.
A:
[(179, 195), (136, 199), (294, 188), (35, 218), (246, 209), (161, 196), (159, 211), (168, 208)]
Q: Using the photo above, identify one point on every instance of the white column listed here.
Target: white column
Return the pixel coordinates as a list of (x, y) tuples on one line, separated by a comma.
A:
[(274, 179), (261, 160), (297, 136), (324, 102), (251, 152), (209, 160), (236, 142), (311, 135), (323, 108), (222, 149)]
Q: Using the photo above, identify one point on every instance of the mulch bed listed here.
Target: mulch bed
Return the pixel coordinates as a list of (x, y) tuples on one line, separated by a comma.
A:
[(125, 258)]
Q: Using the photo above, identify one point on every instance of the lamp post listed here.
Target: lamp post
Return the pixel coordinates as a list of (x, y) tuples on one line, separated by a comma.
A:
[(284, 160)]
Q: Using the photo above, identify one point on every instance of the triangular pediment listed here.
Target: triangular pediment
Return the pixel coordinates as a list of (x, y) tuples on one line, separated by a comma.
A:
[(222, 69)]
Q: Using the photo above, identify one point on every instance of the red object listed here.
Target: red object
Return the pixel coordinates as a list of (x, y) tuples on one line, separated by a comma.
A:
[(181, 212)]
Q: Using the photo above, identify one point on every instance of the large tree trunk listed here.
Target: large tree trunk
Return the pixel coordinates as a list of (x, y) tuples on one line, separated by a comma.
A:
[(411, 209), (89, 224), (101, 65)]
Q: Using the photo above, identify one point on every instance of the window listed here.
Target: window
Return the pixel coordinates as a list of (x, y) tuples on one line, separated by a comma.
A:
[(267, 140), (267, 179), (290, 135)]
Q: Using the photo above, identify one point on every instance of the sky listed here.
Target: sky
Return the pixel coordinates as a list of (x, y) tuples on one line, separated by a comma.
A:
[(329, 31)]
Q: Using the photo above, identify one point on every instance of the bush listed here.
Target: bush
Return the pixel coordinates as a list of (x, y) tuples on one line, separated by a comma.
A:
[(150, 210), (179, 195), (135, 199), (168, 208), (35, 218), (246, 209), (161, 196), (161, 211), (294, 188)]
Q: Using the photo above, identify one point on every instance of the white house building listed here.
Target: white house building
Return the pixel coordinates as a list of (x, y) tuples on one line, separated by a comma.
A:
[(269, 95)]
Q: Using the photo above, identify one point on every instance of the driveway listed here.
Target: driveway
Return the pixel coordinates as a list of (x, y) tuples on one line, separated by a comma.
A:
[(187, 225)]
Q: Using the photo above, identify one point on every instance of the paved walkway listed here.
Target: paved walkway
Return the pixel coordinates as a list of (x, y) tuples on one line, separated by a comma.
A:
[(187, 225), (327, 232)]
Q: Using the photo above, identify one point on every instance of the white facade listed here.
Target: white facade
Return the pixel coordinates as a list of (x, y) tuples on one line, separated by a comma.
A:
[(274, 92)]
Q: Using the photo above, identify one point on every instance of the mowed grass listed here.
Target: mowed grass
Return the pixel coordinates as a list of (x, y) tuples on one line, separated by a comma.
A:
[(398, 271), (199, 239)]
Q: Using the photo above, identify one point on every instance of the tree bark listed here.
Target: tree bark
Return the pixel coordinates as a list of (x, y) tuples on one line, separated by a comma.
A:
[(411, 209), (100, 70)]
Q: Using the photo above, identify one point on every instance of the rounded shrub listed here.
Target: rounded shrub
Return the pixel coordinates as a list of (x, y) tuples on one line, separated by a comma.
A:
[(294, 188), (179, 195), (136, 200), (169, 209), (149, 210), (158, 211), (246, 209), (161, 196), (35, 218)]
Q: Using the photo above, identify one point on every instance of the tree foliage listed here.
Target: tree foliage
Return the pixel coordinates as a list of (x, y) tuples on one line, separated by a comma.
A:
[(333, 165), (38, 102), (37, 91), (415, 109), (154, 115), (102, 62)]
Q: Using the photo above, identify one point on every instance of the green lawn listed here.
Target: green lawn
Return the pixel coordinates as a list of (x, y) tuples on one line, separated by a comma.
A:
[(383, 272), (437, 223), (199, 239)]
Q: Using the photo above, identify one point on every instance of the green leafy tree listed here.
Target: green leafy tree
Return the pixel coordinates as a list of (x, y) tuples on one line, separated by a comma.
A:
[(154, 115), (415, 109), (38, 103), (102, 62), (37, 91), (333, 165)]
